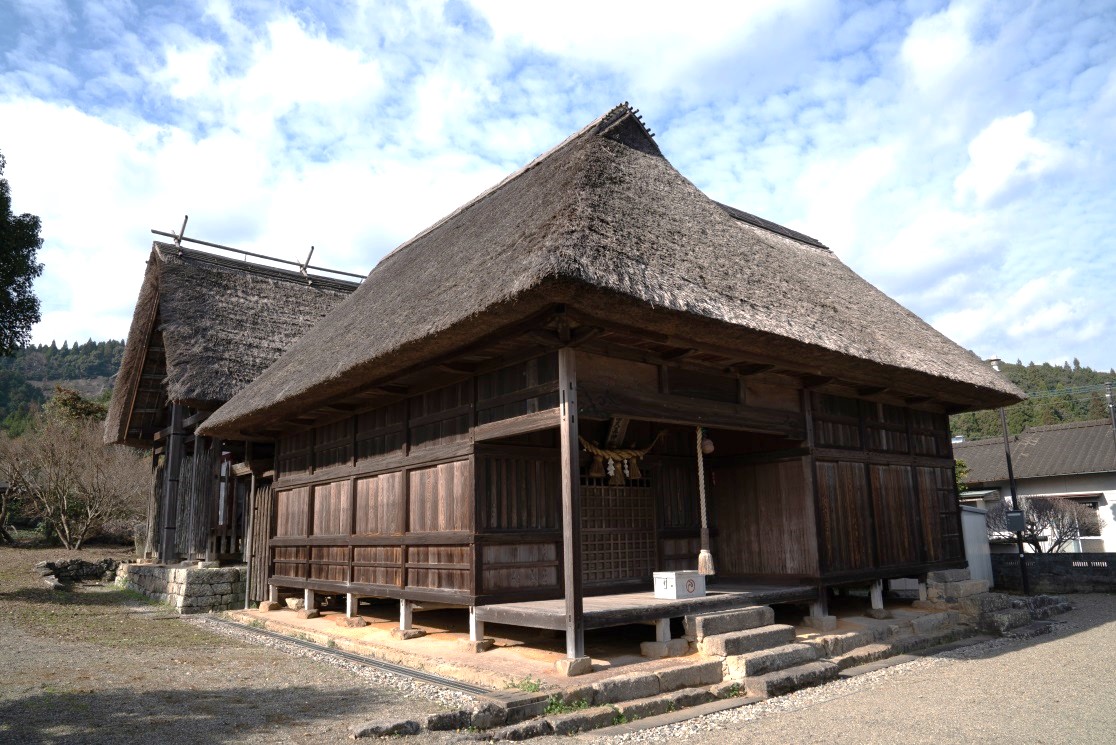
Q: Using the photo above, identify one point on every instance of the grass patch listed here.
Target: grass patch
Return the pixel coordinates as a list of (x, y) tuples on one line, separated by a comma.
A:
[(555, 705), (527, 685)]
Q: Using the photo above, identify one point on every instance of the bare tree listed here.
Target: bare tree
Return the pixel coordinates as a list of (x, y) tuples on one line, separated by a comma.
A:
[(70, 480), (1051, 523)]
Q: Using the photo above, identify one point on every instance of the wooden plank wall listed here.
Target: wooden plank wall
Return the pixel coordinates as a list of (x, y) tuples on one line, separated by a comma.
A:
[(259, 560), (384, 502), (884, 487), (765, 519), (196, 500)]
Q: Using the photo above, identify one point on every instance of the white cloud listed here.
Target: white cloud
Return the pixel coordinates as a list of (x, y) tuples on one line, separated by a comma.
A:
[(1003, 156), (937, 46)]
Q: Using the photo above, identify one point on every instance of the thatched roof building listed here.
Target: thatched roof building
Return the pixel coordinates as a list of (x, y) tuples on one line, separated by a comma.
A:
[(604, 221), (205, 326)]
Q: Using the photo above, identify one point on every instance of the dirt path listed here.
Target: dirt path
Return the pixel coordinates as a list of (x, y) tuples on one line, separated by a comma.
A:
[(99, 665)]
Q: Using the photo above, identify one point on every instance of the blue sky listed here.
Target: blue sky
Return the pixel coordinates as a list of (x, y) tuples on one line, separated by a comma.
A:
[(960, 156)]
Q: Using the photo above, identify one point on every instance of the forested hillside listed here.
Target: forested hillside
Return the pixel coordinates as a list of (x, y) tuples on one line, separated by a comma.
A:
[(28, 377), (1058, 393)]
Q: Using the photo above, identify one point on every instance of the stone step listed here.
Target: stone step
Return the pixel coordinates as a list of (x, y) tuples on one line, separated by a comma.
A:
[(743, 642), (739, 667), (741, 619), (1004, 621), (986, 602), (791, 679), (932, 622), (863, 655), (831, 645)]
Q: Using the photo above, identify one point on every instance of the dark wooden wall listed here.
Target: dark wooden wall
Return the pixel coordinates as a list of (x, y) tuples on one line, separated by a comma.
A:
[(884, 486)]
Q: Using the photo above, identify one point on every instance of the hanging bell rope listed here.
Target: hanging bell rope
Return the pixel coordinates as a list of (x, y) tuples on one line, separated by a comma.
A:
[(705, 556), (621, 463)]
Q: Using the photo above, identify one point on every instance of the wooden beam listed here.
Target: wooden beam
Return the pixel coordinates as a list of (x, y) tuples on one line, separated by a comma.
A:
[(571, 504), (915, 400), (810, 382), (872, 390), (744, 369), (678, 354), (517, 425), (195, 419)]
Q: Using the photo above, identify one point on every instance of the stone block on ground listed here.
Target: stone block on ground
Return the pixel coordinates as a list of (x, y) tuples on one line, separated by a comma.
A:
[(879, 613), (689, 676), (742, 642), (448, 720), (832, 645), (269, 605), (769, 660), (688, 697), (474, 647), (985, 602), (820, 623), (863, 655), (386, 729), (791, 679), (354, 622), (1005, 620), (699, 626), (574, 666), (645, 707), (654, 650), (406, 634), (309, 613), (488, 716), (523, 731), (582, 721), (932, 622), (295, 603), (625, 687), (575, 695)]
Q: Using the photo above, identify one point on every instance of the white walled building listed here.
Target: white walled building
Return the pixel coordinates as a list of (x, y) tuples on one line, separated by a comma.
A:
[(1074, 461)]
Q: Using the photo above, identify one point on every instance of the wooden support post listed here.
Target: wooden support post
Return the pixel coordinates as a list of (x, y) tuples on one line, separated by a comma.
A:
[(476, 627), (571, 510), (351, 603), (273, 593), (406, 609), (167, 552), (819, 617), (922, 589), (876, 594), (662, 629), (308, 599)]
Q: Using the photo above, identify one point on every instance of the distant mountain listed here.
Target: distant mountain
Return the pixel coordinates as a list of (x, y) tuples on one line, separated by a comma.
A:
[(1057, 393), (28, 378)]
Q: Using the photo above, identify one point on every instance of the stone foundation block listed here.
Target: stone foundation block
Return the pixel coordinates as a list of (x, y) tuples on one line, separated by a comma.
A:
[(308, 613), (356, 622), (821, 623), (574, 666), (406, 634), (295, 603), (471, 646), (626, 688), (791, 679), (1003, 621), (488, 716), (528, 730), (987, 602), (448, 720), (933, 622), (267, 606)]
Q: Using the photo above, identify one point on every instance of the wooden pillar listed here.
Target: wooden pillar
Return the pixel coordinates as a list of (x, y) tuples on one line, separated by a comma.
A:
[(406, 615), (571, 506), (308, 599), (167, 551), (273, 593), (476, 626), (662, 630), (351, 603), (876, 594)]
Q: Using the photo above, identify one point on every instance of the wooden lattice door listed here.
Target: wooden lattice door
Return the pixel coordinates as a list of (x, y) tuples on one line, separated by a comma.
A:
[(617, 531)]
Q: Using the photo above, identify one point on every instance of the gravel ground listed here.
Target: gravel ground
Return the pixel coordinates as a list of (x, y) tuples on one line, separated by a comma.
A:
[(99, 665), (1049, 689)]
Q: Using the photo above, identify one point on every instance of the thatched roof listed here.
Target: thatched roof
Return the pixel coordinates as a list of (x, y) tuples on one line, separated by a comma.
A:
[(1050, 450), (603, 220), (205, 326)]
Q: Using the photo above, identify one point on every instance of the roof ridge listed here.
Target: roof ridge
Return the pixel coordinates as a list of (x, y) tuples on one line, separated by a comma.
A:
[(774, 227), (1069, 425), (249, 267)]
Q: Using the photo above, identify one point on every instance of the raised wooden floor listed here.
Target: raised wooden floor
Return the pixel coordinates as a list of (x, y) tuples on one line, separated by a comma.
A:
[(637, 607)]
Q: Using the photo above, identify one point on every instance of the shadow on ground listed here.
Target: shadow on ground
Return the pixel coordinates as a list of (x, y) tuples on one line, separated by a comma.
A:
[(181, 716)]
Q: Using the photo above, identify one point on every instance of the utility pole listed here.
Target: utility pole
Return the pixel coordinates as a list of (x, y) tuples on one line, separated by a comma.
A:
[(1011, 485), (1111, 409)]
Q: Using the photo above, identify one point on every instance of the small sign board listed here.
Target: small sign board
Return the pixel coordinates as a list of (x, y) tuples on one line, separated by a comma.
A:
[(1015, 521)]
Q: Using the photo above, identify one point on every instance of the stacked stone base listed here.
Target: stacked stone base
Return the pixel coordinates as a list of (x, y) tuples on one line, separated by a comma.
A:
[(991, 611), (187, 589)]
